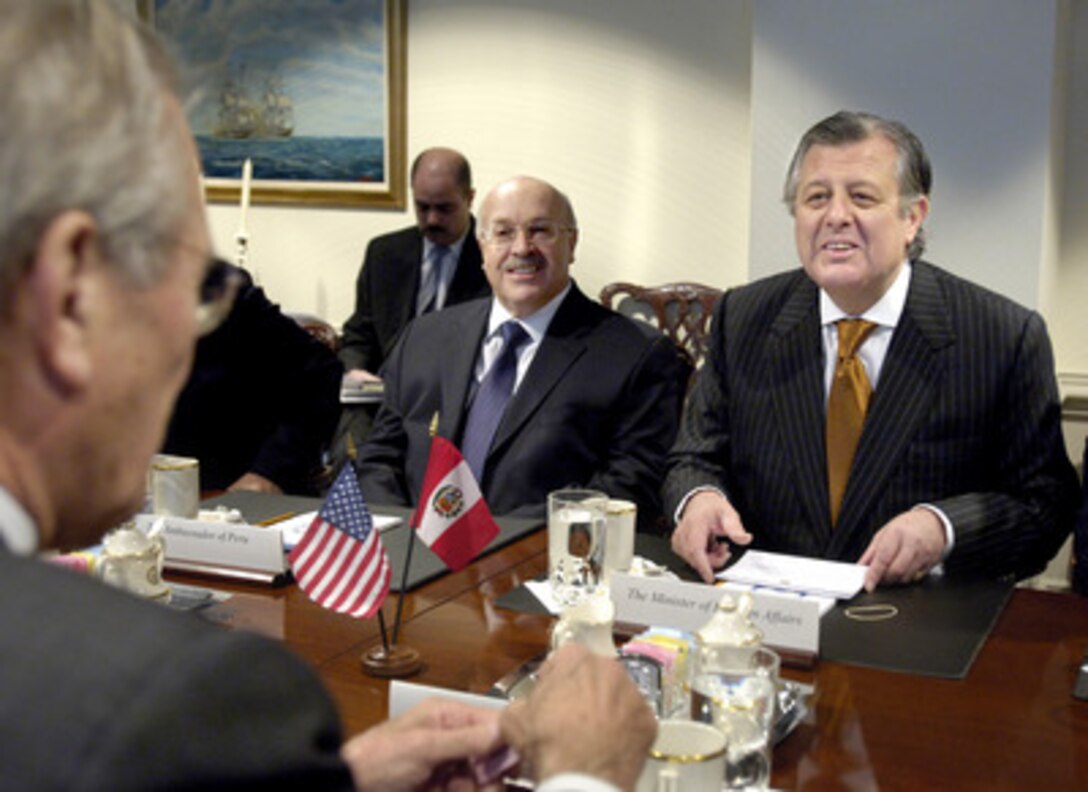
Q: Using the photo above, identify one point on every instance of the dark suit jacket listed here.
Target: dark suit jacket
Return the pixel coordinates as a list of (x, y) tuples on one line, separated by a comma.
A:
[(965, 416), (103, 691), (597, 408), (385, 293), (263, 396), (1080, 536)]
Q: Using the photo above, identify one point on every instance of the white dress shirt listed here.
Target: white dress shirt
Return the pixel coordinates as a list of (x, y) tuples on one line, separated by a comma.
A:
[(445, 275), (575, 782), (885, 314), (17, 529), (535, 325)]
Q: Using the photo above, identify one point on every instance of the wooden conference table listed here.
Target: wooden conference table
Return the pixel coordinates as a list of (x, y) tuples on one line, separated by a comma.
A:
[(1011, 724)]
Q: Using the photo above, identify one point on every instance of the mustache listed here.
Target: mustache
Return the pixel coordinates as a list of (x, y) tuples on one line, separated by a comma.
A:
[(517, 261), (434, 229)]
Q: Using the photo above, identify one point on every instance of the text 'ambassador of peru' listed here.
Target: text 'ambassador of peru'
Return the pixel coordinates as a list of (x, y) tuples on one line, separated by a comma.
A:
[(870, 406)]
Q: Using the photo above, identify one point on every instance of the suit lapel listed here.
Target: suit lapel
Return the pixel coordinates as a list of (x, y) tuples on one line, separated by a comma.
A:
[(909, 381), (797, 400), (405, 284), (456, 365), (468, 273), (561, 346)]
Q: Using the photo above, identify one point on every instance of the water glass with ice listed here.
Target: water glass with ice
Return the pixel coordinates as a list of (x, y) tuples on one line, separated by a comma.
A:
[(737, 695)]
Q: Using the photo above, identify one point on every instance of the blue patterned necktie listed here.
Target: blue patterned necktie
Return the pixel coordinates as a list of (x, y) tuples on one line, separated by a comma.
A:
[(490, 402)]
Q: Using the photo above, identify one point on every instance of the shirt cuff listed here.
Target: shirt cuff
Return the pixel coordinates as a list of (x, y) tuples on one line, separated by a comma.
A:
[(575, 782), (949, 534), (684, 502)]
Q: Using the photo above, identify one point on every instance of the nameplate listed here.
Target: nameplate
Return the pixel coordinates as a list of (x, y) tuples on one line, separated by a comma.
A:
[(786, 621), (220, 548)]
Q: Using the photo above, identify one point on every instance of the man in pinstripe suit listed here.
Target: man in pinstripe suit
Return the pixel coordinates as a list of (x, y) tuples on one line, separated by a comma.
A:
[(960, 460)]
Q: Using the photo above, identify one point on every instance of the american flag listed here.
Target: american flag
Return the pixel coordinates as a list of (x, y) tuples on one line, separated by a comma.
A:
[(340, 562)]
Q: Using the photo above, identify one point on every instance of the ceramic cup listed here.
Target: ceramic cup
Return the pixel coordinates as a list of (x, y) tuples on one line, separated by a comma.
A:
[(619, 545), (687, 756), (133, 561), (589, 623), (174, 484)]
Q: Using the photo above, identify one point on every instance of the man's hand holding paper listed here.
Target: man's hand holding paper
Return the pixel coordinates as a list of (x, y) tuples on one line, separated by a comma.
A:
[(905, 549), (708, 518)]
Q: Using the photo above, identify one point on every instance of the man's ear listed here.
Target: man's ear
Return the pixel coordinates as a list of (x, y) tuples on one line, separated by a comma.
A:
[(64, 284)]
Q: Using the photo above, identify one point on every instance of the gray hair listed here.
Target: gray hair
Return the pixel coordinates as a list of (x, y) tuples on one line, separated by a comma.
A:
[(86, 98), (913, 170)]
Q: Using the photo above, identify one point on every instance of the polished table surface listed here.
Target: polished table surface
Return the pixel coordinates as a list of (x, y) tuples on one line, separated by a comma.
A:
[(1012, 723)]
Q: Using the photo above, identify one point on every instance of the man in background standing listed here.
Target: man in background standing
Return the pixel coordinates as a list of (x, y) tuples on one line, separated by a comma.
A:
[(408, 273), (416, 270)]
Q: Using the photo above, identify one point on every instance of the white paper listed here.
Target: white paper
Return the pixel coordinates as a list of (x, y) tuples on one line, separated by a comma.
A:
[(294, 527), (813, 576), (542, 590), (405, 695)]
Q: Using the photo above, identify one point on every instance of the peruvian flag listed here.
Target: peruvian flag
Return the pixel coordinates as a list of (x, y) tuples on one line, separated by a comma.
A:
[(452, 517)]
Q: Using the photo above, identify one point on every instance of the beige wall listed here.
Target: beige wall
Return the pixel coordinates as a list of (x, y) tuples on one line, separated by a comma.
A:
[(648, 113), (1069, 320), (638, 109)]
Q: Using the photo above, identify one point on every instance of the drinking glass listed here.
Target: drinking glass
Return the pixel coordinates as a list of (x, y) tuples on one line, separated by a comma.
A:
[(576, 521), (736, 693)]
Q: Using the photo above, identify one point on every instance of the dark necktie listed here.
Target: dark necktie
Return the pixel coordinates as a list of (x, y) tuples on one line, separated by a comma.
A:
[(846, 406), (430, 279), (490, 402)]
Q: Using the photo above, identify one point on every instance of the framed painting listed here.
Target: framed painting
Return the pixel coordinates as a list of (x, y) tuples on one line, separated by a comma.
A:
[(312, 92)]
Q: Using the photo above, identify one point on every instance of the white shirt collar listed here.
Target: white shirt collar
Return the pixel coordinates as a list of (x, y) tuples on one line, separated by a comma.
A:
[(17, 529), (535, 324), (885, 312)]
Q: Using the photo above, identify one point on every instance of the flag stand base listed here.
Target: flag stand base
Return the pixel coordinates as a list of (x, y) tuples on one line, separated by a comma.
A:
[(399, 661)]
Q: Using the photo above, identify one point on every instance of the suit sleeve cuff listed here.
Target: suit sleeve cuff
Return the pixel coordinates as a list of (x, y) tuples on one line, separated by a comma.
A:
[(691, 494)]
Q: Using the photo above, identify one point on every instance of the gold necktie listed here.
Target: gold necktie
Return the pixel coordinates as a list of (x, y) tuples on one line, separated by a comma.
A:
[(846, 406)]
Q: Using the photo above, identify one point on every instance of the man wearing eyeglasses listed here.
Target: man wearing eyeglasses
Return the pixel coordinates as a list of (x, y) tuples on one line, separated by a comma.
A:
[(592, 397), (105, 283)]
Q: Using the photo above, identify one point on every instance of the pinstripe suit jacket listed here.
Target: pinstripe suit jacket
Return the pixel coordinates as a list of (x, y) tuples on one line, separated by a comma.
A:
[(965, 417)]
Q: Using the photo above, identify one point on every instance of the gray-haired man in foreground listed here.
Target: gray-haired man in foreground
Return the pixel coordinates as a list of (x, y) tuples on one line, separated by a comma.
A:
[(106, 279)]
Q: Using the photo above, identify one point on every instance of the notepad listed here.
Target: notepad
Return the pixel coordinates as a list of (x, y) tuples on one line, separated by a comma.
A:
[(813, 576), (293, 528)]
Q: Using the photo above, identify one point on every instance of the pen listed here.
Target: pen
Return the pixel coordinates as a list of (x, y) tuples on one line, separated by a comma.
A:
[(277, 518)]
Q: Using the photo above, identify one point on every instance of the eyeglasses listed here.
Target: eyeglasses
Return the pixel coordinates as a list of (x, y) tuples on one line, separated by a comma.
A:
[(539, 232), (217, 292)]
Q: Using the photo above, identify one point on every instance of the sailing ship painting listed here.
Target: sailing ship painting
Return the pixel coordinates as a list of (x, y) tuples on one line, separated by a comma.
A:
[(241, 117), (298, 86)]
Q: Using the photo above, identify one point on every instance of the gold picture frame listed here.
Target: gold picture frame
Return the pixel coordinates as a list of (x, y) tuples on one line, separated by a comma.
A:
[(246, 70)]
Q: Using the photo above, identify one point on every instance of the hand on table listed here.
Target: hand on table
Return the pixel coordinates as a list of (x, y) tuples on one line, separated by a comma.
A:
[(585, 715), (255, 482), (425, 748), (905, 549), (707, 515), (359, 376)]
